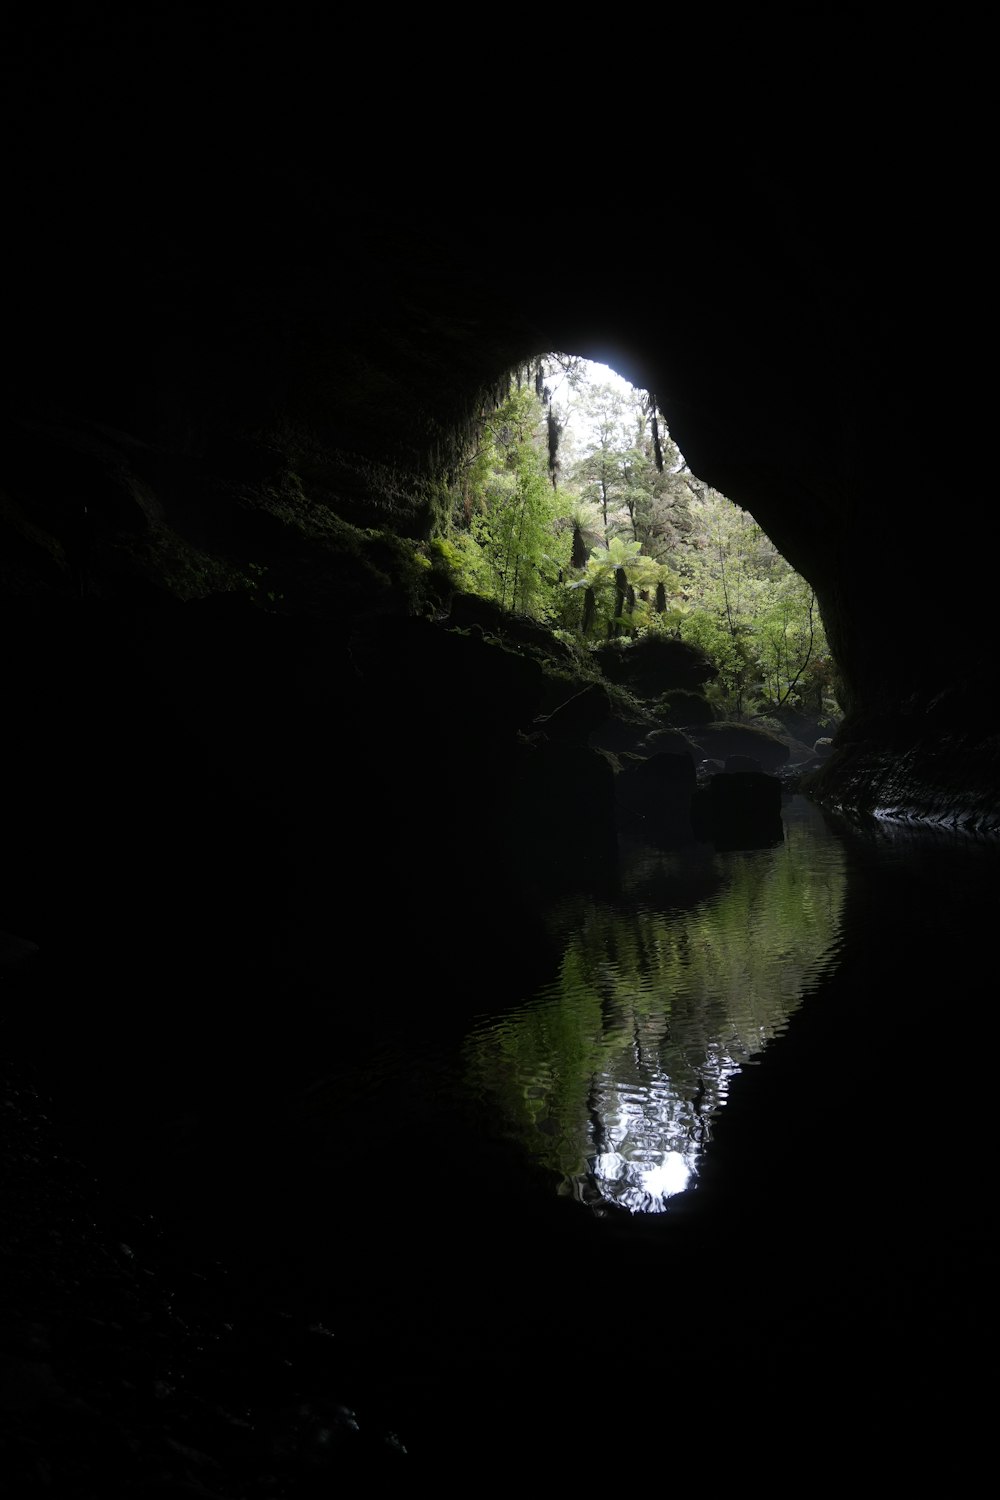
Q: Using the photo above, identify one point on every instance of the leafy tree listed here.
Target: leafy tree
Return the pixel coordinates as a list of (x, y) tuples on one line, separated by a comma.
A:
[(745, 606), (600, 474), (788, 631), (585, 519), (503, 541), (632, 541), (627, 591), (516, 533)]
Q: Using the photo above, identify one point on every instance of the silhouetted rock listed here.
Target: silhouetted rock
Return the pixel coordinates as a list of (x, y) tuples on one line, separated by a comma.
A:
[(577, 717), (660, 741), (658, 790), (739, 810), (743, 763), (681, 708), (720, 740), (654, 664)]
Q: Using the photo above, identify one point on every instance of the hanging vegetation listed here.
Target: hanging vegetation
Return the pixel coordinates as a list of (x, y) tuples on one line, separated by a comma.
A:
[(572, 503)]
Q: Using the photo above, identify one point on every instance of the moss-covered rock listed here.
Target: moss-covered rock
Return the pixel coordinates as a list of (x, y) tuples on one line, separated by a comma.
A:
[(681, 706), (721, 739), (654, 664)]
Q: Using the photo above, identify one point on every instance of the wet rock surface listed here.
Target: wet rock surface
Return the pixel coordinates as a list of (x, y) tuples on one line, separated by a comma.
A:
[(903, 770)]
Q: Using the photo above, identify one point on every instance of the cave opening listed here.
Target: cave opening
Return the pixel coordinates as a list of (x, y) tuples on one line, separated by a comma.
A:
[(296, 1042), (625, 542)]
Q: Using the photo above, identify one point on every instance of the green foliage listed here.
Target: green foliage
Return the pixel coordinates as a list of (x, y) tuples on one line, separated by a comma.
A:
[(707, 626), (515, 530), (169, 562), (619, 606), (504, 539), (630, 543), (461, 559), (750, 611)]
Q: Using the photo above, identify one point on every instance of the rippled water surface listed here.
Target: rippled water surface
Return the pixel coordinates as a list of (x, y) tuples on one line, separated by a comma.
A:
[(563, 1210), (605, 1083), (611, 1076)]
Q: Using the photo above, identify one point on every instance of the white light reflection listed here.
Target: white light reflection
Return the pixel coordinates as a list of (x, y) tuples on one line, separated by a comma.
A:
[(613, 1074), (649, 1136), (640, 1187), (670, 1177)]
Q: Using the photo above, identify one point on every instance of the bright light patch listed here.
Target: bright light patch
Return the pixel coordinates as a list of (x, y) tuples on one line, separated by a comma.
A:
[(670, 1177)]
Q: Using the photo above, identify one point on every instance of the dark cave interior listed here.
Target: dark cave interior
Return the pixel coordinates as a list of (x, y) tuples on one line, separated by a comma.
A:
[(232, 334)]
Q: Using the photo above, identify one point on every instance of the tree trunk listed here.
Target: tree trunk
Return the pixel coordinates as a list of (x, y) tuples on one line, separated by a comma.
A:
[(589, 606), (621, 594)]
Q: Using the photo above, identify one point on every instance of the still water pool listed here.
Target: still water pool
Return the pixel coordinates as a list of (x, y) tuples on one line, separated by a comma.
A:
[(611, 1075), (726, 1171)]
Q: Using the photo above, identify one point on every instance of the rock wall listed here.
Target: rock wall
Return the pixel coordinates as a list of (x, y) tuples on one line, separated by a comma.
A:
[(235, 309)]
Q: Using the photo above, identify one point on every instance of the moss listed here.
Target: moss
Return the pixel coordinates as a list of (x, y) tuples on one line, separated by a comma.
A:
[(681, 706), (168, 563)]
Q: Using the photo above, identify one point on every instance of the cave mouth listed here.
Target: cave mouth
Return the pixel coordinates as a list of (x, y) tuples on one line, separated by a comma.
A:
[(625, 541), (212, 790)]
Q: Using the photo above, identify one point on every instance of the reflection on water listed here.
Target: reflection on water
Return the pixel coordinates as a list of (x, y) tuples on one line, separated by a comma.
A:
[(612, 1074)]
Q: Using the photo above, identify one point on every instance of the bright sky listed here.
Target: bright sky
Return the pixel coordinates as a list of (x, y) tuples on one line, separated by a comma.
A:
[(604, 375), (596, 374)]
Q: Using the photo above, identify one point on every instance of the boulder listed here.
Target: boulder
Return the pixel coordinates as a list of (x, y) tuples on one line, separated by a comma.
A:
[(578, 716), (743, 763), (657, 784), (514, 630), (560, 829), (722, 739), (682, 707), (655, 664), (665, 741), (619, 735), (739, 810)]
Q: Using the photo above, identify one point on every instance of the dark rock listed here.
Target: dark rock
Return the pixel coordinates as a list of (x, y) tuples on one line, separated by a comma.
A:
[(681, 708), (743, 763), (722, 739), (579, 716), (799, 723), (746, 793), (655, 664), (619, 735), (430, 672), (514, 630), (708, 768), (659, 741), (659, 786), (739, 810), (560, 828), (15, 950)]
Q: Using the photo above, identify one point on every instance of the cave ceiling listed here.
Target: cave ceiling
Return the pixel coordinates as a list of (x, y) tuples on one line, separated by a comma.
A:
[(203, 251)]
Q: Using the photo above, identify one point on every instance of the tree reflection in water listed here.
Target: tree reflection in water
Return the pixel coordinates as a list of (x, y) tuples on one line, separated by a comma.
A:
[(611, 1075)]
